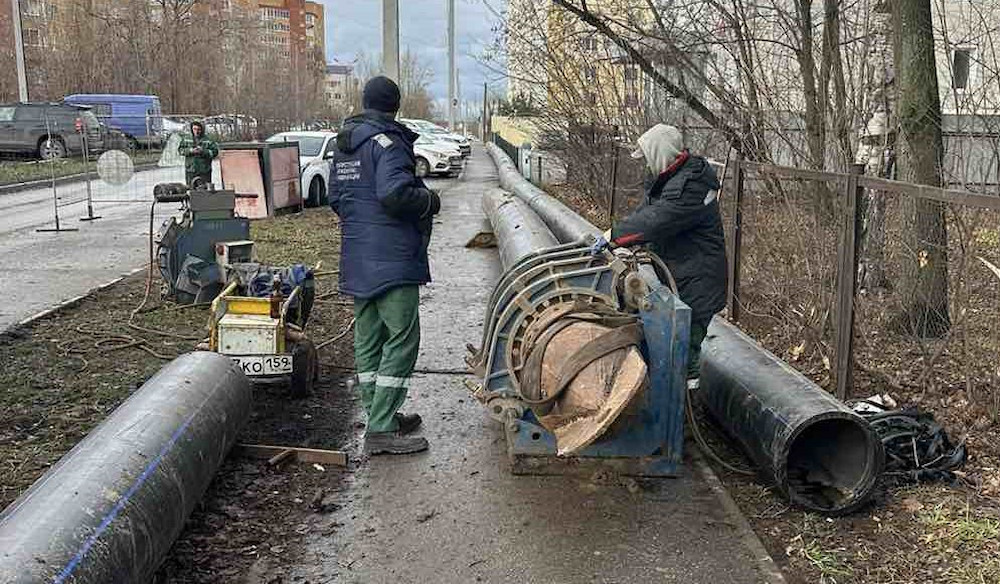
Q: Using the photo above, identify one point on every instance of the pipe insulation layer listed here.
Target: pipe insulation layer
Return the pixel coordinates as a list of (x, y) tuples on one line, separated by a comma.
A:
[(519, 231), (822, 455), (111, 508), (564, 223)]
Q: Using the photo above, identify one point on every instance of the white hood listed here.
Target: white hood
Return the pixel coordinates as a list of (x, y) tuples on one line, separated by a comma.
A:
[(660, 146)]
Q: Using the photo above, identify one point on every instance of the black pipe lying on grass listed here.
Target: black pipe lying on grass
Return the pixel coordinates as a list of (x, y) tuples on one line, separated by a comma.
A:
[(818, 452), (822, 455), (111, 508)]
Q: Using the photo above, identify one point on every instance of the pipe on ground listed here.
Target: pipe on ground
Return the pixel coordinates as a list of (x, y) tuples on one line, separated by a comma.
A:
[(564, 223), (823, 456), (111, 508), (519, 231)]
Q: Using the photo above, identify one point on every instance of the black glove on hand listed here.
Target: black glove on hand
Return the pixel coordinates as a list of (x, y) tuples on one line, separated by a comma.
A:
[(435, 203), (433, 207)]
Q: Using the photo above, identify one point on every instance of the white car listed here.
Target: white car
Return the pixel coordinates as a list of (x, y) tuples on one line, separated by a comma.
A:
[(172, 126), (315, 151), (436, 133), (436, 158)]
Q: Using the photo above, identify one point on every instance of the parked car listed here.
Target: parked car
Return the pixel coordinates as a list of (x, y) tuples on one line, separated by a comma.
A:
[(48, 130), (315, 151), (231, 126), (139, 117), (436, 158), (435, 132), (115, 139)]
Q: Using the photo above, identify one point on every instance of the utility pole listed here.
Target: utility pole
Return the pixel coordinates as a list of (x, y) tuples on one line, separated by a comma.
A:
[(22, 76), (390, 39), (486, 108), (451, 65)]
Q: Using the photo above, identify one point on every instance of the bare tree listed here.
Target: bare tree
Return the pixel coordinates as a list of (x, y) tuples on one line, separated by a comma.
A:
[(921, 156), (414, 83)]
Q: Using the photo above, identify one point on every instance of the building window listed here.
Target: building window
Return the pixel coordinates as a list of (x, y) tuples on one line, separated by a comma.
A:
[(34, 8), (589, 73), (274, 14), (33, 38), (588, 43), (631, 100), (961, 66)]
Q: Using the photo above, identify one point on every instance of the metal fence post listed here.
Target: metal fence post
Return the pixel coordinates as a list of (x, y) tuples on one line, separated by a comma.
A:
[(736, 247), (614, 176), (86, 177), (847, 282)]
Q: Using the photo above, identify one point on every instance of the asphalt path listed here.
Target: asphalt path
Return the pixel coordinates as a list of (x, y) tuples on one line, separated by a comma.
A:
[(38, 270), (455, 514)]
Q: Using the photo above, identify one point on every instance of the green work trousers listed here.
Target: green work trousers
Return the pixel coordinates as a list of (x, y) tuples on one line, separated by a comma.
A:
[(386, 342), (698, 331)]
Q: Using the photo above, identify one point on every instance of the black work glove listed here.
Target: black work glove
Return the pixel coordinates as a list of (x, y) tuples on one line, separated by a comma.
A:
[(426, 220)]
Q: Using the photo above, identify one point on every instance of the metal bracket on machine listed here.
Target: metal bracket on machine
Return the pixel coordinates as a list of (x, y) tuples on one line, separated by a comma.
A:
[(562, 275), (538, 290)]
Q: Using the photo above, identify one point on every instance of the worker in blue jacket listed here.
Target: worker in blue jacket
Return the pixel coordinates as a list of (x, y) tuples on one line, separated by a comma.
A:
[(385, 216)]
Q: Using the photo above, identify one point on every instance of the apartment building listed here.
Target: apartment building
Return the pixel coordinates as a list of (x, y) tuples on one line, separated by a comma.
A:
[(341, 85), (293, 27)]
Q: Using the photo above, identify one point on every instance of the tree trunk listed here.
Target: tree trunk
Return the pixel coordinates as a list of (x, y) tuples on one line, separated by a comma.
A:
[(815, 124), (925, 274)]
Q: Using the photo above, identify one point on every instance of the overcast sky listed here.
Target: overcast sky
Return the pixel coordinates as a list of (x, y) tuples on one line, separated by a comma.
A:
[(354, 26)]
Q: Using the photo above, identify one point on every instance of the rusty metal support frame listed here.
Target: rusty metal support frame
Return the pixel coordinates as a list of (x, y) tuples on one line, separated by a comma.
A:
[(954, 196), (736, 244), (847, 281)]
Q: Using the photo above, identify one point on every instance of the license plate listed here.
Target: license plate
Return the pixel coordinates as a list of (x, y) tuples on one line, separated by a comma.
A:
[(259, 365)]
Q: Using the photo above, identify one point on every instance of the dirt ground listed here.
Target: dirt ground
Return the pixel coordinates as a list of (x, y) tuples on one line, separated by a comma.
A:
[(63, 374), (910, 533)]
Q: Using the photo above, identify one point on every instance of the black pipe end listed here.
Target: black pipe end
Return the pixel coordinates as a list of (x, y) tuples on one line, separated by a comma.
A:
[(832, 464)]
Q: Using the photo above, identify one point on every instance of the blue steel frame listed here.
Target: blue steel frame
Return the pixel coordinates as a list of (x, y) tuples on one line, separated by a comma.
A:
[(648, 439)]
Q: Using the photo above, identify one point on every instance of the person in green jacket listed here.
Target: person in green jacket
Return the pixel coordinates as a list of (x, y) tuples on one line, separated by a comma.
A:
[(198, 152)]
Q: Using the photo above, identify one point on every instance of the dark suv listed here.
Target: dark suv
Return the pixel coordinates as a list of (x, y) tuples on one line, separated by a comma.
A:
[(48, 130)]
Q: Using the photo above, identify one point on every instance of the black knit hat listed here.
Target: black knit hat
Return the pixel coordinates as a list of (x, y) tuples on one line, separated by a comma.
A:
[(381, 94)]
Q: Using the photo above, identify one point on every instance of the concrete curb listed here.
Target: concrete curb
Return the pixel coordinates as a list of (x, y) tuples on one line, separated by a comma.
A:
[(68, 303), (9, 189), (766, 566)]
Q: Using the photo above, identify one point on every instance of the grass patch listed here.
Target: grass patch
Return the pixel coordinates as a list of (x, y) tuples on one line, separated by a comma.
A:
[(14, 172), (957, 530), (824, 561)]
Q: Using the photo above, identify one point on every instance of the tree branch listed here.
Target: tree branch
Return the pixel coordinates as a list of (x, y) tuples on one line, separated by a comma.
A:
[(647, 67)]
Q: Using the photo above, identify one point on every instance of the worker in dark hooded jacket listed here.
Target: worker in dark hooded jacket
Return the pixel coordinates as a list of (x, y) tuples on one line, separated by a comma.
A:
[(198, 151), (680, 219), (385, 217)]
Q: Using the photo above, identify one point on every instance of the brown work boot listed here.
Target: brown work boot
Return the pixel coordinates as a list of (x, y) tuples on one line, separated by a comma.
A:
[(408, 423), (393, 443)]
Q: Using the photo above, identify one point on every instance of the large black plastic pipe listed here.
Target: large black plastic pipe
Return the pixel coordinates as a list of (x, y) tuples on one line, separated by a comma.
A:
[(822, 455), (565, 224), (110, 509), (519, 231)]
